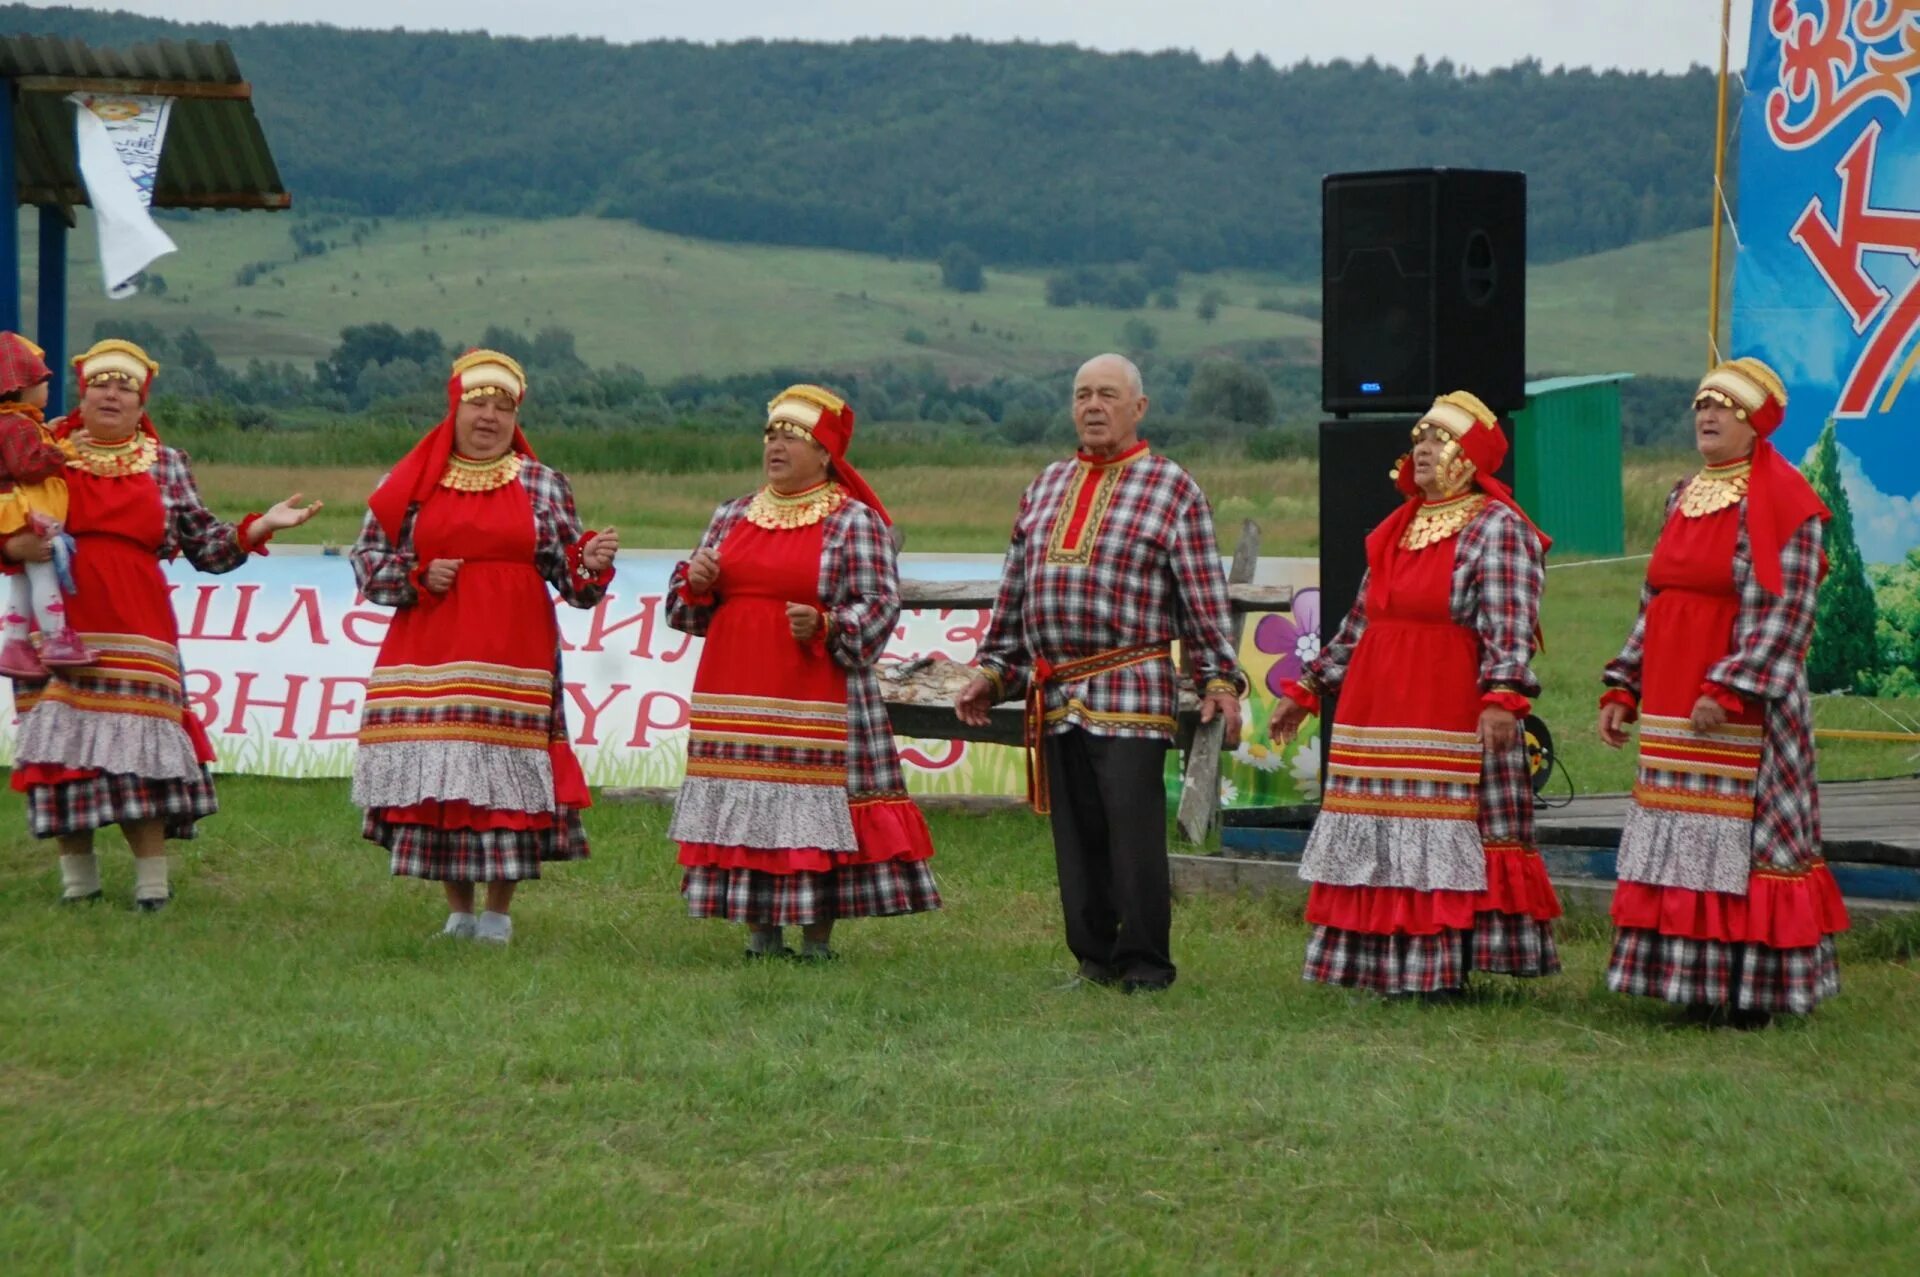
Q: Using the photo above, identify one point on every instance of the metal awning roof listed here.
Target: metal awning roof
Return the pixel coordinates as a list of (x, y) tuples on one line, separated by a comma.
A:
[(215, 155)]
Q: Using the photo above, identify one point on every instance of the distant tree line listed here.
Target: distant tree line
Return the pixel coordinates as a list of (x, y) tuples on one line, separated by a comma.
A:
[(1016, 153)]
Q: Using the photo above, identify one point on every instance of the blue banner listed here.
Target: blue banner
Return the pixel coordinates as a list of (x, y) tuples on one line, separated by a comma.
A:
[(1827, 287)]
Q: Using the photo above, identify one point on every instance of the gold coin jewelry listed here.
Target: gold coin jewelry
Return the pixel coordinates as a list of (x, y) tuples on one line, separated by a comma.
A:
[(480, 476), (1715, 488), (130, 456), (1435, 521), (779, 511)]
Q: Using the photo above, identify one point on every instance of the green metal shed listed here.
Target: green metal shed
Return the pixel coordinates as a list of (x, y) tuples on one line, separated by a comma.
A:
[(1566, 465)]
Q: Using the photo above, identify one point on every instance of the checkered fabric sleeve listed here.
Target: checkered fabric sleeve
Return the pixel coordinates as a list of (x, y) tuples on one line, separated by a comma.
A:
[(860, 584), (693, 618), (1201, 609), (1003, 653), (1499, 574), (1623, 671), (559, 537), (1771, 634), (209, 543), (1327, 671), (25, 455), (382, 570)]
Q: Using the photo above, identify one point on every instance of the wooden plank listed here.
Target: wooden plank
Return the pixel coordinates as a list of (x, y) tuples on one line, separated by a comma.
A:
[(1200, 791), (1242, 596), (939, 722), (235, 91)]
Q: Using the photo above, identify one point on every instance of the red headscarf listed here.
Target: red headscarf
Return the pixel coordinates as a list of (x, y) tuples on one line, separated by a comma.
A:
[(22, 364), (1779, 498), (419, 472), (832, 429), (1484, 444)]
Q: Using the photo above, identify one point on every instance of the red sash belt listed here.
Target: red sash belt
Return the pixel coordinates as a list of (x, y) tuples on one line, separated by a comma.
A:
[(1039, 796)]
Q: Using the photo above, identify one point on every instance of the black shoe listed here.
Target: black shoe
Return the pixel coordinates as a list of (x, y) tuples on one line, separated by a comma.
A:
[(87, 899), (153, 906), (814, 955), (754, 955), (1443, 997), (1748, 1021), (1146, 986), (1099, 973)]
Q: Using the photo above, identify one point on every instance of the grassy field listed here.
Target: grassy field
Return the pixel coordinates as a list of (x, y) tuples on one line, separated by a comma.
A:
[(669, 305), (286, 1073)]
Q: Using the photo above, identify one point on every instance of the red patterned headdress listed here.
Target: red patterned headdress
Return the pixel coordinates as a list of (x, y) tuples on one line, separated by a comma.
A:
[(817, 414), (476, 373), (1779, 498)]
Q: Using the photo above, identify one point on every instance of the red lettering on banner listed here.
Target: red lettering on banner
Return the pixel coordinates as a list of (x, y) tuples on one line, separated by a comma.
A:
[(976, 633), (381, 618), (306, 599), (203, 606), (1837, 252), (686, 641), (956, 750), (644, 721), (243, 701), (204, 706), (589, 712), (598, 630), (330, 704)]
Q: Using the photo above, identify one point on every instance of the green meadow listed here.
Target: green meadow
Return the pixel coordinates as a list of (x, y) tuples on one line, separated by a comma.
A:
[(287, 1072), (671, 305)]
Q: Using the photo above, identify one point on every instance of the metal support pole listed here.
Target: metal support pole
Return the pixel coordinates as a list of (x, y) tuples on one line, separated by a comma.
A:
[(1719, 188), (9, 216), (51, 312)]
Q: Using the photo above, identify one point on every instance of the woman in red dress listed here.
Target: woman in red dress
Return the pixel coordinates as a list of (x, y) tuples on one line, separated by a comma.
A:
[(463, 766), (1724, 904), (794, 811), (112, 742), (1422, 862)]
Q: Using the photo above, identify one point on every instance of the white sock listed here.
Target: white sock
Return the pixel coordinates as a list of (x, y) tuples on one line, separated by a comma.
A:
[(458, 924), (150, 878), (494, 927), (49, 606), (19, 605), (79, 876)]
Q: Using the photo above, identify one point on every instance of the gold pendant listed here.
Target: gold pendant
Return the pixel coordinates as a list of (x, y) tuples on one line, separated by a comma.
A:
[(113, 460), (1434, 523), (480, 476), (778, 512), (1715, 489)]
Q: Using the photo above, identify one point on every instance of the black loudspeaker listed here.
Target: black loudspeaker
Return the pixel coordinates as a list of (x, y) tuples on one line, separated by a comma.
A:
[(1356, 458), (1423, 288)]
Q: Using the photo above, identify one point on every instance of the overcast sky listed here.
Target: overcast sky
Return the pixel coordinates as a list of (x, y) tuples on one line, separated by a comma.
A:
[(1654, 35)]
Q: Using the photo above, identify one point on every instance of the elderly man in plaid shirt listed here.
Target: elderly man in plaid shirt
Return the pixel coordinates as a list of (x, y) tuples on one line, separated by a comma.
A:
[(1113, 557)]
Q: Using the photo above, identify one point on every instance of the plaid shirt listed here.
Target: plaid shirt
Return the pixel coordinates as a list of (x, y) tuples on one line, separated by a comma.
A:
[(1499, 575), (1771, 634), (860, 586), (209, 543), (1144, 570), (385, 571), (27, 451)]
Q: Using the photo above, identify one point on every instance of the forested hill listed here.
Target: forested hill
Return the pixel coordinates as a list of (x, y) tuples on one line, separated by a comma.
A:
[(1028, 154)]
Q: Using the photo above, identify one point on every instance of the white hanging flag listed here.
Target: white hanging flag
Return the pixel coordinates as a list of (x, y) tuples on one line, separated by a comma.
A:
[(118, 141)]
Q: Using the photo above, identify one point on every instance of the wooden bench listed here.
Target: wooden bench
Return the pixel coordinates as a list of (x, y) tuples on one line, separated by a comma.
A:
[(920, 694)]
